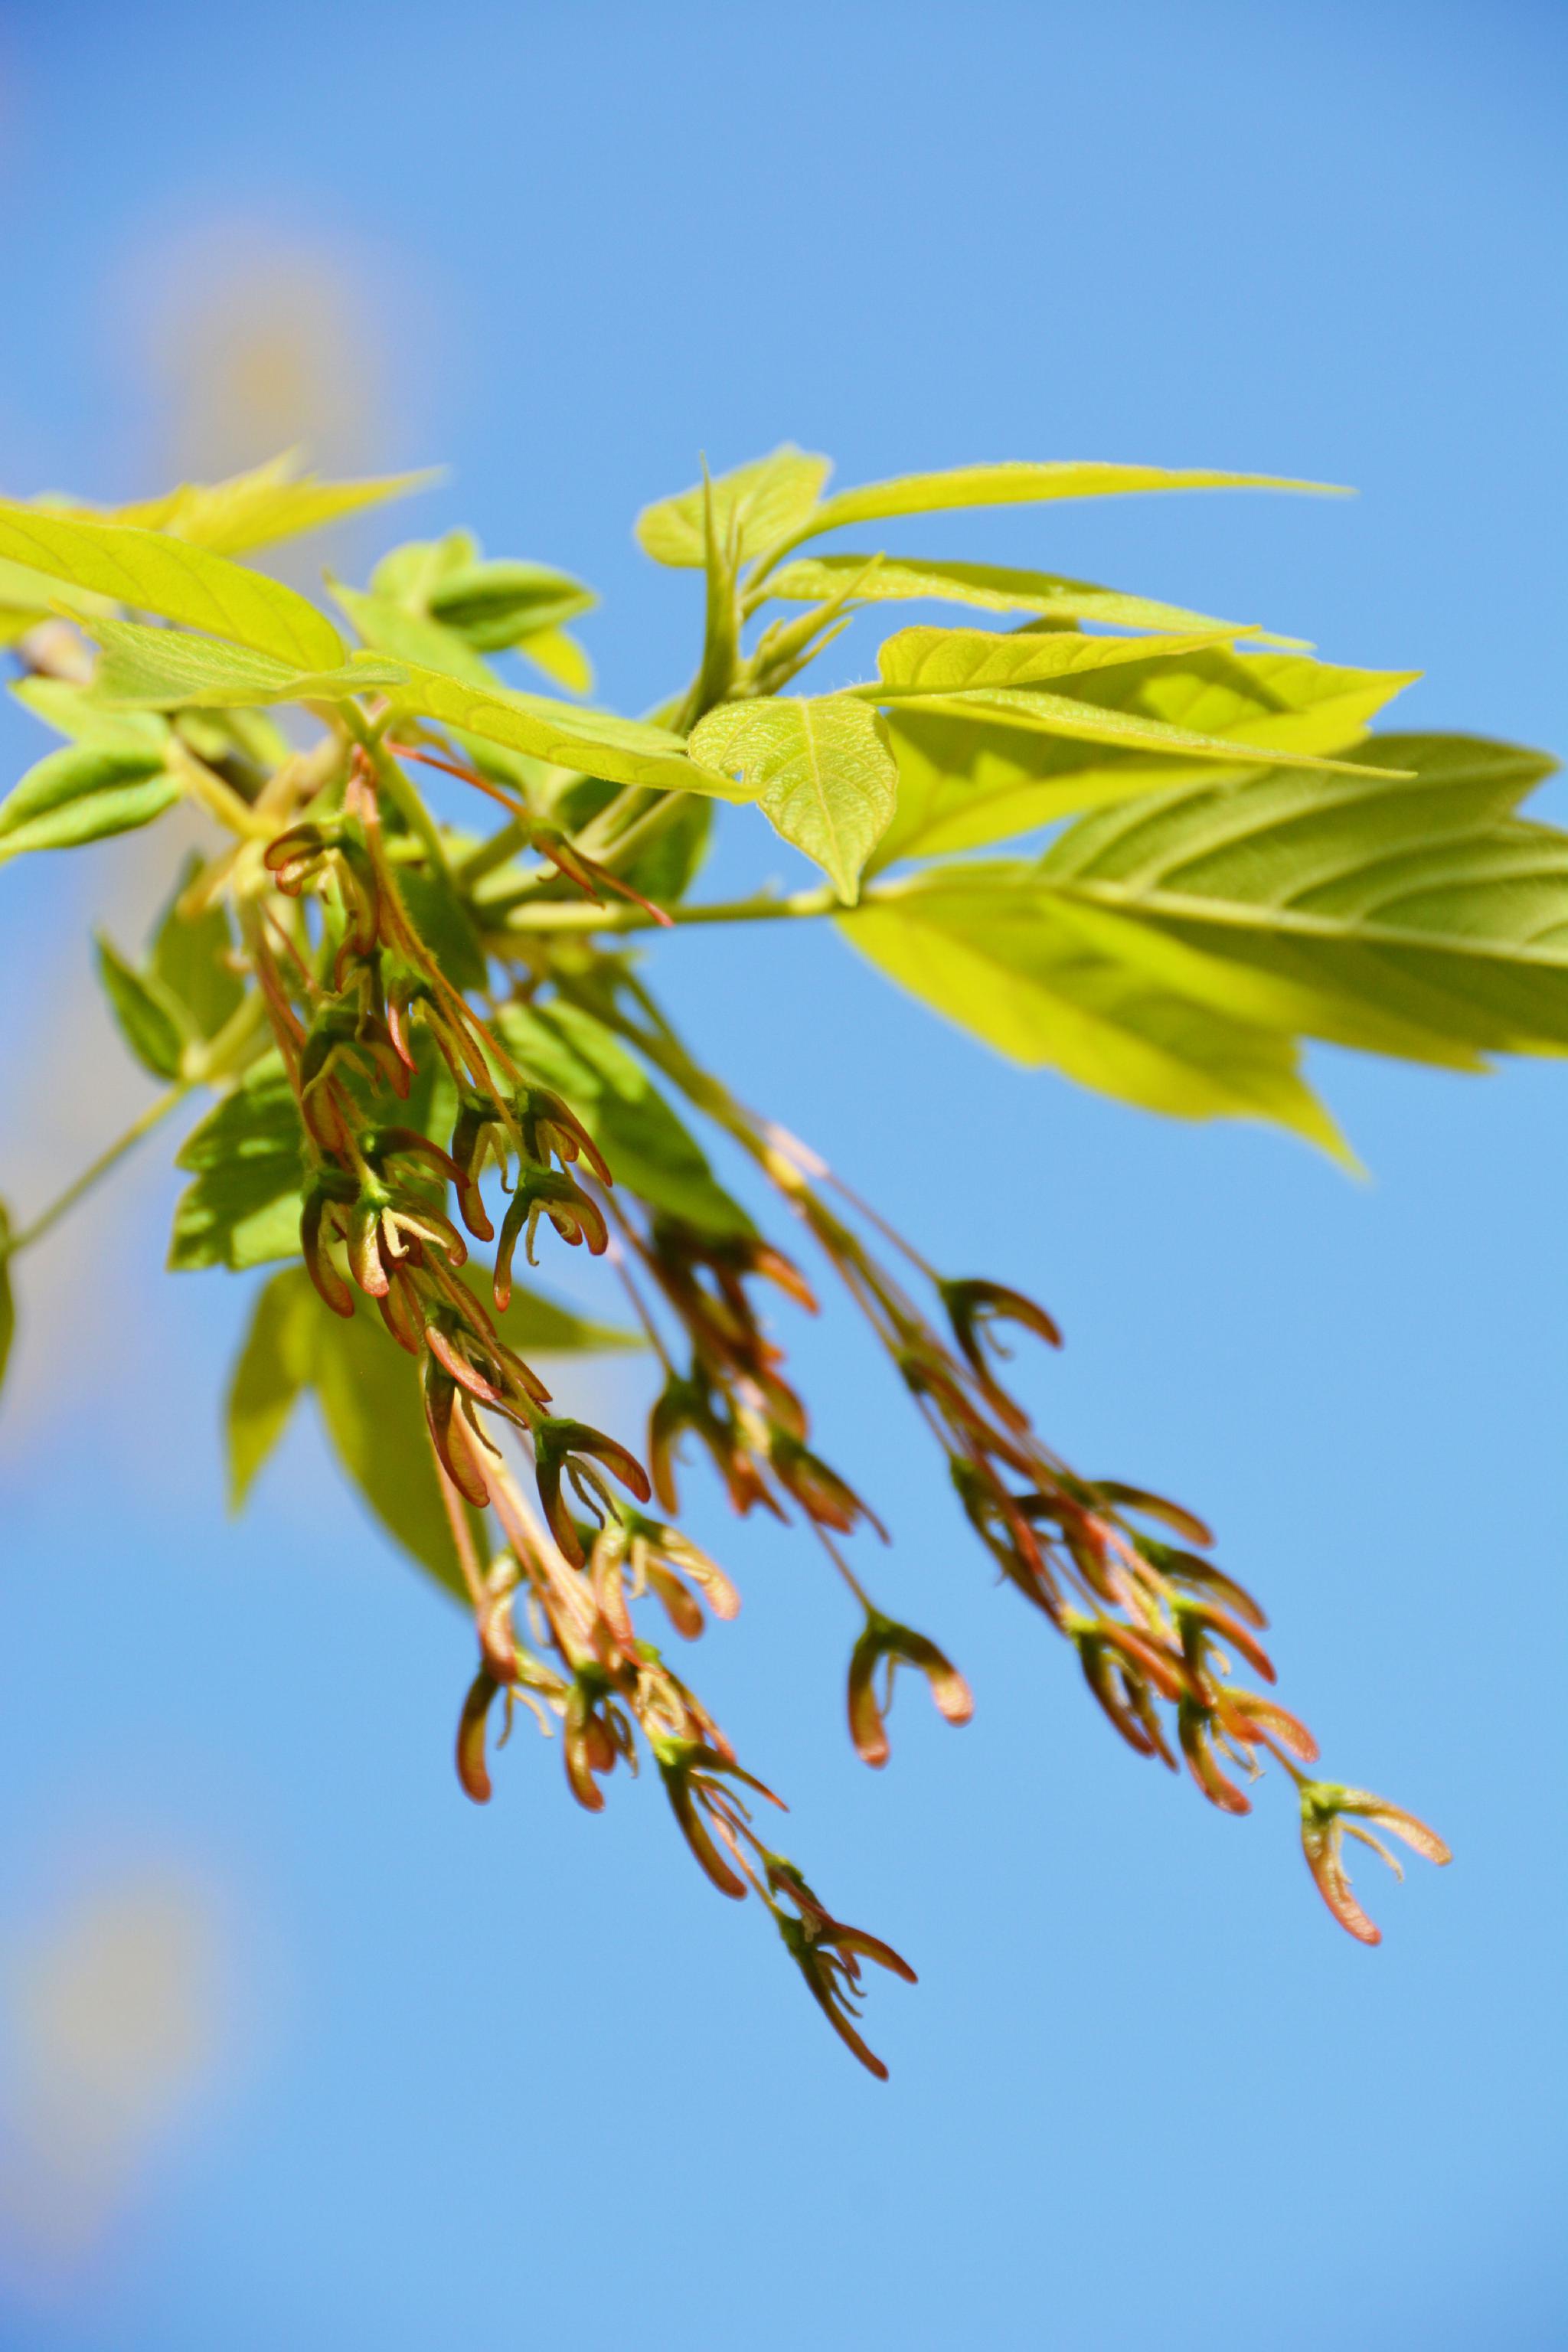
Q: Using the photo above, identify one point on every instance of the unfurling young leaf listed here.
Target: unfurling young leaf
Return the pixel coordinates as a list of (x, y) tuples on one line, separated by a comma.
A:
[(434, 1059)]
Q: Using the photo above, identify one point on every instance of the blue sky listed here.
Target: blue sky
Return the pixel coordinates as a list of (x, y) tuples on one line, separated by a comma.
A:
[(518, 2075)]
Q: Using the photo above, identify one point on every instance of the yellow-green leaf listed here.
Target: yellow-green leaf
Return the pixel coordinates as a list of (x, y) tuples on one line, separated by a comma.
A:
[(947, 661), (154, 573), (85, 791), (766, 499), (1409, 913), (145, 1016), (558, 653), (255, 510), (621, 750), (167, 669), (992, 587), (820, 769), (1017, 484), (962, 785), (1011, 966)]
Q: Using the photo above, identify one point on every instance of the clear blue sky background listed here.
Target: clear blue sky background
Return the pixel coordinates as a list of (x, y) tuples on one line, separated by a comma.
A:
[(517, 2076)]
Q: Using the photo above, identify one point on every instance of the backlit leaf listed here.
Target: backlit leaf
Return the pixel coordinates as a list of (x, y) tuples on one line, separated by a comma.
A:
[(558, 653), (1018, 484), (947, 661), (622, 751), (820, 769), (962, 785), (276, 1362), (83, 792), (190, 958), (271, 502), (154, 573), (990, 586), (493, 604), (1012, 967), (165, 669), (769, 497), (1415, 917)]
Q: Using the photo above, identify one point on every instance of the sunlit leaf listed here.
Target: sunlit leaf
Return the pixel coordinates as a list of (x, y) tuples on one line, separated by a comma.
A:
[(820, 769), (492, 603), (69, 709), (83, 792), (1011, 965), (767, 499), (1415, 917), (622, 751), (990, 586), (1018, 484), (963, 785), (271, 502), (557, 653), (165, 669), (154, 573), (949, 661)]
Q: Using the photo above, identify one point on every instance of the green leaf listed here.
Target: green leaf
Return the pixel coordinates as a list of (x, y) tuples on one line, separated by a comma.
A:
[(822, 771), (389, 627), (155, 573), (409, 573), (85, 793), (276, 1360), (955, 661), (246, 1157), (991, 586), (190, 958), (446, 926), (557, 653), (767, 499), (7, 1296), (71, 711), (1415, 915), (963, 785), (621, 750), (255, 510), (649, 1151), (1018, 485), (142, 1011), (492, 604), (1010, 964), (164, 669)]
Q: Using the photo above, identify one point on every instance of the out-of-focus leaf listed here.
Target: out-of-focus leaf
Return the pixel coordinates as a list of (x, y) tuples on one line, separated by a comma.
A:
[(276, 1362), (71, 711), (408, 574), (1415, 915), (558, 653), (257, 509), (822, 771), (389, 627), (445, 925), (165, 669), (141, 1011), (246, 1158), (1019, 484), (155, 573), (767, 499), (190, 958), (83, 792), (649, 1151), (990, 586), (493, 604), (964, 786), (1009, 964)]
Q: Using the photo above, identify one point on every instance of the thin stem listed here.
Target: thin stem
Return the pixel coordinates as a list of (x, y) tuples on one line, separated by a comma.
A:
[(144, 1124), (567, 915)]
